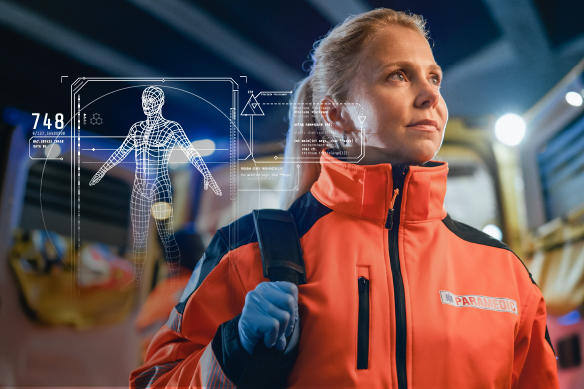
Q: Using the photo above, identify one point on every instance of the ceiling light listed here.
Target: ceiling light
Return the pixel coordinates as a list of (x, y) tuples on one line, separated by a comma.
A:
[(510, 129), (574, 98)]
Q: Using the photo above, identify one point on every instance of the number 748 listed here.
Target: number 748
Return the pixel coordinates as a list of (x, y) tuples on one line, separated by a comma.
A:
[(59, 123)]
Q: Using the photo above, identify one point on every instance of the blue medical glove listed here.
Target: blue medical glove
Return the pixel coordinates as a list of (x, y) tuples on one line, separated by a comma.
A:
[(270, 314)]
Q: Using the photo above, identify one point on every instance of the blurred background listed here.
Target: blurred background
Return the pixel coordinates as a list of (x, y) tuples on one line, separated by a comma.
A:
[(75, 310)]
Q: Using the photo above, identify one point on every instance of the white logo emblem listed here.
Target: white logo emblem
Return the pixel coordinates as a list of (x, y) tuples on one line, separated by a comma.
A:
[(499, 304)]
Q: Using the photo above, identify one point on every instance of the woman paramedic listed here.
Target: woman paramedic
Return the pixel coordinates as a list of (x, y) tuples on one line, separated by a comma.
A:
[(397, 294)]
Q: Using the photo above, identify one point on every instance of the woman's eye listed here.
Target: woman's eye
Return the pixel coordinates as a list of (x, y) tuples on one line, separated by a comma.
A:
[(437, 79), (398, 73)]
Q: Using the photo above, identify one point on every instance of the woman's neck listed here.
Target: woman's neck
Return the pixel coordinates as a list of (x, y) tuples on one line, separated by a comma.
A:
[(370, 156)]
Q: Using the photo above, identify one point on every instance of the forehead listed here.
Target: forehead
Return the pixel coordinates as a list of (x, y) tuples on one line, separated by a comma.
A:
[(397, 43)]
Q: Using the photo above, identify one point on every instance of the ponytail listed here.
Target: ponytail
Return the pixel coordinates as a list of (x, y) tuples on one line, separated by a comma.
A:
[(299, 175)]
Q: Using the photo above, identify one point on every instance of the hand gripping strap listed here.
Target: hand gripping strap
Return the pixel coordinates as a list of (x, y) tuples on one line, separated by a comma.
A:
[(279, 245)]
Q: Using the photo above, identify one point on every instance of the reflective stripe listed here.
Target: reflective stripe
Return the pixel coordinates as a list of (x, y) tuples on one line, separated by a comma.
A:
[(193, 281), (174, 321), (147, 378), (212, 375)]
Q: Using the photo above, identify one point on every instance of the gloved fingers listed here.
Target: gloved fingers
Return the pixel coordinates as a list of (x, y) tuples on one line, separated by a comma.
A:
[(281, 343), (271, 328), (248, 335), (291, 324), (294, 337), (280, 298), (247, 323), (284, 286), (284, 318), (270, 313), (273, 293), (266, 313), (287, 287)]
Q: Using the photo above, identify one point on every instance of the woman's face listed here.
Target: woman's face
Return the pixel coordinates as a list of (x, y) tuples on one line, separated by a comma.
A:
[(397, 85)]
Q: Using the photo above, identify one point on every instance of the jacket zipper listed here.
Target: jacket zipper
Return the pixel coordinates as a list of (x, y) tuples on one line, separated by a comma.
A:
[(392, 224), (363, 324)]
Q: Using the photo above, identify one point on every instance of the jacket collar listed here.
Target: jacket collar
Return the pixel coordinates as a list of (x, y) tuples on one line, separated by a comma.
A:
[(366, 191)]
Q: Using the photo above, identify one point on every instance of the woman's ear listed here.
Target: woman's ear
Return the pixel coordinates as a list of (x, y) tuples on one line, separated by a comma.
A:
[(336, 116)]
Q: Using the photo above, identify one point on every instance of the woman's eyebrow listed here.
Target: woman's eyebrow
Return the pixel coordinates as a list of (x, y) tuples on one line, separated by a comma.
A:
[(407, 64)]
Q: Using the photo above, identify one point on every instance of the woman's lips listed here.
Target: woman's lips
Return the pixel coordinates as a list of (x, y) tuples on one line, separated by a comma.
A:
[(423, 127)]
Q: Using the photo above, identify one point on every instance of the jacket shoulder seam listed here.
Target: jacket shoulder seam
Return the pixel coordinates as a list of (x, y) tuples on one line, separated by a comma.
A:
[(306, 211), (473, 235)]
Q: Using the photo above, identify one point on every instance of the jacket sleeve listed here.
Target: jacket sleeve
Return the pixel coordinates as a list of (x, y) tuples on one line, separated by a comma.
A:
[(535, 362), (199, 345)]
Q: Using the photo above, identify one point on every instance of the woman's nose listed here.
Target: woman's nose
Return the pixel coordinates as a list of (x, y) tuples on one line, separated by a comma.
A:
[(428, 95)]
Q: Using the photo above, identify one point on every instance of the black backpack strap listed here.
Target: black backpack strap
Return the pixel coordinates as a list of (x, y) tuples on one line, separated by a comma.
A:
[(279, 245)]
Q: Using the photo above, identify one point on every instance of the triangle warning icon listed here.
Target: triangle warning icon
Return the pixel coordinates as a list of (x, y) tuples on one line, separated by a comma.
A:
[(252, 108)]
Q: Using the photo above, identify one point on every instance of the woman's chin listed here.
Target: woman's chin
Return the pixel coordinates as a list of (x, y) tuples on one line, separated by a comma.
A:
[(420, 156)]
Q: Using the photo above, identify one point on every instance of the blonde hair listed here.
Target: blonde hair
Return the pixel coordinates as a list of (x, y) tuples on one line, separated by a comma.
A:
[(335, 59)]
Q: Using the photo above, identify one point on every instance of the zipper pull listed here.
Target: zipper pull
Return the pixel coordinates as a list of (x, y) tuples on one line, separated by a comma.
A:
[(363, 283), (389, 221)]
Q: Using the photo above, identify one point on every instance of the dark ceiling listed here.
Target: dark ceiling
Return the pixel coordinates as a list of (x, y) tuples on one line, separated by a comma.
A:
[(498, 55)]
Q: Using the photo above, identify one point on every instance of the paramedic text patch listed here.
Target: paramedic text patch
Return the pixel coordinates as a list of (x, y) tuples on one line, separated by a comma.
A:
[(498, 304)]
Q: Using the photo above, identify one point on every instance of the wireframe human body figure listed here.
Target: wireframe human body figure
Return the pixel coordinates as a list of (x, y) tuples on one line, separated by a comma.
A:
[(153, 140)]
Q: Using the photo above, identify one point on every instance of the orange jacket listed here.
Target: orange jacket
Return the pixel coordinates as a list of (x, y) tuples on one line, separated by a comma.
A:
[(398, 295)]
